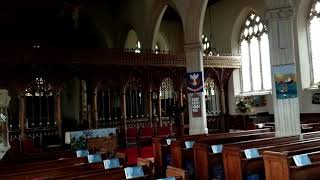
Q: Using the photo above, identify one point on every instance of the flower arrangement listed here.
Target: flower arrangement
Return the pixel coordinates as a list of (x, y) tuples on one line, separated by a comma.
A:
[(244, 104)]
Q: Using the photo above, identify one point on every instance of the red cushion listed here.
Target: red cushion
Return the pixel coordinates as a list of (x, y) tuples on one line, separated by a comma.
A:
[(132, 154), (132, 132), (146, 152), (146, 132), (164, 131)]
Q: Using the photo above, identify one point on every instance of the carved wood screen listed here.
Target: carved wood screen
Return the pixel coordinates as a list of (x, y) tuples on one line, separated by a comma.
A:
[(168, 98), (39, 104), (135, 99), (109, 110)]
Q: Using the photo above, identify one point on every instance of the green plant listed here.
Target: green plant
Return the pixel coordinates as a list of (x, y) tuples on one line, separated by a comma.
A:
[(244, 104)]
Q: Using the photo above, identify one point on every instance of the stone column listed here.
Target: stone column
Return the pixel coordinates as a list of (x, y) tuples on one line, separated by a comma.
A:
[(180, 104), (194, 60), (22, 114), (57, 114), (280, 16), (149, 107), (94, 109), (159, 108)]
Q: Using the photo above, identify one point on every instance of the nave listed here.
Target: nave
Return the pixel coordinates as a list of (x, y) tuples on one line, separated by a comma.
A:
[(250, 154)]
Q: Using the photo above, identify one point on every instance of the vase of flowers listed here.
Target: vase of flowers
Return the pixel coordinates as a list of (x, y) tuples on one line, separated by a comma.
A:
[(244, 106)]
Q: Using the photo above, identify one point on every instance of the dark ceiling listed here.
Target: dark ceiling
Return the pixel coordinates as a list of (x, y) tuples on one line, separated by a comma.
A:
[(211, 2), (172, 15)]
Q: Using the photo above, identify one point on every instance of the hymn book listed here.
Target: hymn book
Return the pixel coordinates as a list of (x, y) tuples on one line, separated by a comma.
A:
[(94, 158), (217, 148), (301, 160), (189, 144), (133, 172), (111, 163), (251, 153)]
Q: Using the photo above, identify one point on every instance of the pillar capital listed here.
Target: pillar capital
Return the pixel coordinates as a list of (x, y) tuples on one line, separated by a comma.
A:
[(197, 46), (272, 4), (280, 13)]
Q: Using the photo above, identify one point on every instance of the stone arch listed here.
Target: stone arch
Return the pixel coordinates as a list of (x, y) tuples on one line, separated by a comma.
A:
[(193, 27), (237, 26), (131, 40), (162, 43), (157, 36)]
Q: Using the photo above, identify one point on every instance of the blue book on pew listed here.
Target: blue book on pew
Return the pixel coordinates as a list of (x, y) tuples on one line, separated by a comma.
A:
[(170, 140), (94, 158), (82, 153), (301, 160), (111, 163), (251, 153), (133, 172), (189, 144), (168, 178), (217, 148)]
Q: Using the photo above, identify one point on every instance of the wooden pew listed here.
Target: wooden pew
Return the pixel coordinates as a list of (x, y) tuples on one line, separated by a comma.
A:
[(280, 164), (176, 172), (236, 165), (204, 158), (178, 146), (160, 148), (54, 168), (26, 167), (113, 174)]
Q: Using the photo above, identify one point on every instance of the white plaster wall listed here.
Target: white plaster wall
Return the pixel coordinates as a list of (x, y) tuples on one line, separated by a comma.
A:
[(173, 33)]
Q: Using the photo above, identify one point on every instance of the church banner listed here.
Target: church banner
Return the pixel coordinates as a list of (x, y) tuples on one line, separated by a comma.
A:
[(196, 105), (285, 81), (194, 82)]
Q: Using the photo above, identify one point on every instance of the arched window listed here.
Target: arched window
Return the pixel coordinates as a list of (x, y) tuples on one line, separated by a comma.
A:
[(212, 98), (39, 104), (157, 49), (138, 47), (314, 43), (207, 51), (168, 98), (135, 101), (255, 70)]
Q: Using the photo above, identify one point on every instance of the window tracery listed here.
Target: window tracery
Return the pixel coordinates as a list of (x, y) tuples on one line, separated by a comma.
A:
[(39, 104), (138, 47), (207, 50), (254, 47), (212, 98), (168, 97)]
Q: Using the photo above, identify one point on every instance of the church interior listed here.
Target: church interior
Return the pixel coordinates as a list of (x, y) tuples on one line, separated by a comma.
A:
[(160, 89)]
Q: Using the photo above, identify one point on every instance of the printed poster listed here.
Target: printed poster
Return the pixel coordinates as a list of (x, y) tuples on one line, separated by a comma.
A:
[(285, 81), (194, 82)]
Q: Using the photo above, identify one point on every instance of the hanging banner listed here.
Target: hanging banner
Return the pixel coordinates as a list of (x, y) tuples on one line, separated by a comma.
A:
[(194, 82), (285, 81), (196, 105)]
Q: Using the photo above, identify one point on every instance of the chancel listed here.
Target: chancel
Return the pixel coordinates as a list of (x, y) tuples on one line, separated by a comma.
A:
[(170, 89)]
